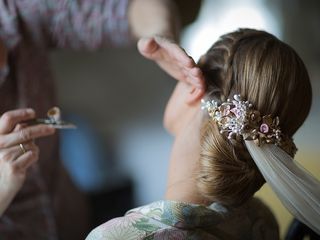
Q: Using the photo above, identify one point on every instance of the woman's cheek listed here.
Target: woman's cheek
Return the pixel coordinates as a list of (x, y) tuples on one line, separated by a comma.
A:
[(168, 121)]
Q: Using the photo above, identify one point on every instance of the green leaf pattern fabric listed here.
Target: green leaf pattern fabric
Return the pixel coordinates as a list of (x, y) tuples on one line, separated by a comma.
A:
[(183, 221)]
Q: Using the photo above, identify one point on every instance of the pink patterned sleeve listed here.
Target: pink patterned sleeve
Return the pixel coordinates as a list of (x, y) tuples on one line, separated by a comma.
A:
[(74, 24)]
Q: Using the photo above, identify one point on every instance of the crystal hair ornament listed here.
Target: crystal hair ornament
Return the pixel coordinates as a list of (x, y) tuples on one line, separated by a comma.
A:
[(237, 120)]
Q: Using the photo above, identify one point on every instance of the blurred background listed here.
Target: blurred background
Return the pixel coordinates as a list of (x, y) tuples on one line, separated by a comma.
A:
[(120, 153)]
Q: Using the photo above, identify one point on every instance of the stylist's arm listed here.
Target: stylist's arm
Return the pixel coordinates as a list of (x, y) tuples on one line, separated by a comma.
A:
[(15, 159), (156, 24)]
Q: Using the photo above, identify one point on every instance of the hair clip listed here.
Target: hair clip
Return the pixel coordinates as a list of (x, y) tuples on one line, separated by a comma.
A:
[(237, 120)]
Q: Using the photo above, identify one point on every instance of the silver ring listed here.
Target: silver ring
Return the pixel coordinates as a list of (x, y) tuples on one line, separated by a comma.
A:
[(22, 148)]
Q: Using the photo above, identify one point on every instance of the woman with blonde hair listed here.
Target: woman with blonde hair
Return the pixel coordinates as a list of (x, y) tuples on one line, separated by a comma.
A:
[(255, 96)]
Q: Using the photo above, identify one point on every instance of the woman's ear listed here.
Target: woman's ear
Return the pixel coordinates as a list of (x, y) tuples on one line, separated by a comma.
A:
[(195, 94)]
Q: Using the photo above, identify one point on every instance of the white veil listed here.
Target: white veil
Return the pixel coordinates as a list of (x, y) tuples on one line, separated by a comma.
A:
[(297, 189)]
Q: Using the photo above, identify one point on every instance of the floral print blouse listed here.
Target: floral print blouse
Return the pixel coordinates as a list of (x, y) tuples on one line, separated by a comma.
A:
[(180, 221)]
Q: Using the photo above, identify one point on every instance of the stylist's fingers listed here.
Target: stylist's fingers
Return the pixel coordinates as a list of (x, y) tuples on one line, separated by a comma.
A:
[(12, 153), (9, 119), (178, 52), (149, 47), (25, 134), (24, 161), (173, 59)]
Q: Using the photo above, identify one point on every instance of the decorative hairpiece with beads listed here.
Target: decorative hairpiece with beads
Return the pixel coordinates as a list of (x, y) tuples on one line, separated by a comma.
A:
[(237, 120)]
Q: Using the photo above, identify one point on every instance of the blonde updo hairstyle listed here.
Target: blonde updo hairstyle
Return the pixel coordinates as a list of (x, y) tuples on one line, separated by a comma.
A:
[(269, 74)]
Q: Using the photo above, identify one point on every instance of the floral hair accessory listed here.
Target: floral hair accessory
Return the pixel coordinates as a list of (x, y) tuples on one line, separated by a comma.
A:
[(237, 120)]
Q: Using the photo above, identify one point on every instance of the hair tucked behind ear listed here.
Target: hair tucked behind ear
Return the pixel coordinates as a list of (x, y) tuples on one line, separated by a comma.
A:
[(269, 74)]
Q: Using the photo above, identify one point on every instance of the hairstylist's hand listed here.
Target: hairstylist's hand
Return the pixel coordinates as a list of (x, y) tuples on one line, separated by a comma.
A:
[(15, 159), (172, 59)]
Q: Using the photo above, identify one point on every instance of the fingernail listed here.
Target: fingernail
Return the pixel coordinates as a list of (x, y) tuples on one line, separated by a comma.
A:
[(199, 85), (197, 82), (50, 129), (30, 111)]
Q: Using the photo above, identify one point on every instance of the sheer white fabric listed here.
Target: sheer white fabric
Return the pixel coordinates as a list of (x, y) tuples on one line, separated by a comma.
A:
[(297, 189)]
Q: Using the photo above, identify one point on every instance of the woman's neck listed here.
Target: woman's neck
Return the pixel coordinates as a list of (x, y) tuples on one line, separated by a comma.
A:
[(185, 191), (184, 164)]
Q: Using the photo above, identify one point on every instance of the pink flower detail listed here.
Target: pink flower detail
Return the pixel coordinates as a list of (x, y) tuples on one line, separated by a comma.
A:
[(264, 128)]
